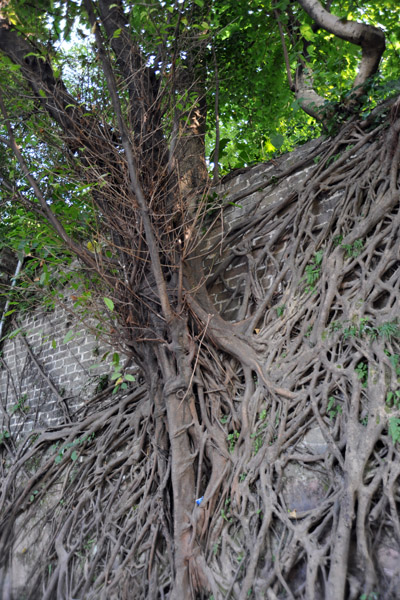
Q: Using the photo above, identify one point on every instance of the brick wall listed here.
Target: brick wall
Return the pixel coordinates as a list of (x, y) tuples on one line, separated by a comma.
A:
[(44, 378), (240, 198)]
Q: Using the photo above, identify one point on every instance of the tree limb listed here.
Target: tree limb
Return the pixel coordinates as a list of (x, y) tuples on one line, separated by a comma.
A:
[(370, 39)]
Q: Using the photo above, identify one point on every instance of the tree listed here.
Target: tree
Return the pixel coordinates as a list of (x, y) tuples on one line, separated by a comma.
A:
[(121, 151)]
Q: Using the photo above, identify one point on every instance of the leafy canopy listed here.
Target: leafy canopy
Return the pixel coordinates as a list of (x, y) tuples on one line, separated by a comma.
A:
[(241, 62)]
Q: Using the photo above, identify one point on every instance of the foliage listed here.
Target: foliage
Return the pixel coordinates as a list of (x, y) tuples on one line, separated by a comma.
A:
[(4, 435), (313, 272), (394, 429), (61, 451), (333, 408), (21, 405)]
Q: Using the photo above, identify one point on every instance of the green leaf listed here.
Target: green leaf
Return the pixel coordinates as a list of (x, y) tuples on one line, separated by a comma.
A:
[(45, 277), (129, 377), (394, 429), (318, 257), (307, 32), (277, 140), (68, 337), (74, 455), (14, 333), (109, 303), (117, 33)]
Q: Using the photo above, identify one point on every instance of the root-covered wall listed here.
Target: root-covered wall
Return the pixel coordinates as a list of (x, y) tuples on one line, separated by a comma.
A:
[(286, 464), (49, 367)]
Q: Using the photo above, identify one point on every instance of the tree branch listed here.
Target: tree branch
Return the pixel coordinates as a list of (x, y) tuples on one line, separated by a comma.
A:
[(136, 187), (285, 51), (369, 38), (44, 206)]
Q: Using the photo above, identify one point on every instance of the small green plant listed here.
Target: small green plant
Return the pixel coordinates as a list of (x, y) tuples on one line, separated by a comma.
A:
[(88, 544), (388, 330), (394, 429), (20, 406), (364, 328), (120, 379), (370, 596), (351, 331), (4, 435), (216, 546), (333, 409), (280, 310), (225, 511), (102, 384), (353, 250), (360, 329), (232, 438), (258, 435), (313, 272), (334, 157), (74, 453), (309, 331), (33, 496), (335, 326), (362, 372), (393, 399), (258, 441), (337, 240), (224, 419), (394, 360)]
